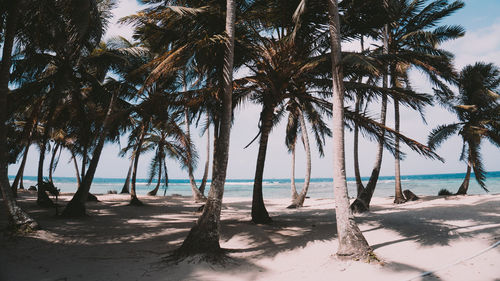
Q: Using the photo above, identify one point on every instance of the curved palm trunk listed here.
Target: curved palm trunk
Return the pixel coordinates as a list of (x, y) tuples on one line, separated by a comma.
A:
[(295, 195), (157, 187), (18, 180), (204, 236), (43, 199), (207, 163), (465, 184), (52, 162), (166, 177), (259, 212), (76, 207), (125, 188), (133, 195), (362, 202), (18, 218), (352, 243), (75, 164), (399, 198), (357, 174), (197, 195), (299, 202), (357, 109)]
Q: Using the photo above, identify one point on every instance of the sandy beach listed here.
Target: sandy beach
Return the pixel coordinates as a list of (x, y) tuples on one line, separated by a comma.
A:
[(454, 235)]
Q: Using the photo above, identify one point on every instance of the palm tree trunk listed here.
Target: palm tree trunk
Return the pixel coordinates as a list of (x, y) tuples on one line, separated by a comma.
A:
[(362, 202), (465, 184), (18, 180), (357, 174), (204, 236), (259, 212), (133, 195), (18, 218), (197, 196), (51, 165), (20, 172), (84, 161), (166, 177), (125, 188), (357, 105), (299, 202), (352, 243), (399, 198), (207, 163), (78, 180), (76, 207), (43, 199), (157, 187), (295, 195)]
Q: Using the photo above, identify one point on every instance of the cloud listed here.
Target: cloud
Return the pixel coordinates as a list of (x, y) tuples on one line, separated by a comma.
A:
[(477, 45), (123, 8)]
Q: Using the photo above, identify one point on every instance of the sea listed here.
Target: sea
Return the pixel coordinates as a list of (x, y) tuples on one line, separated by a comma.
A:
[(280, 188)]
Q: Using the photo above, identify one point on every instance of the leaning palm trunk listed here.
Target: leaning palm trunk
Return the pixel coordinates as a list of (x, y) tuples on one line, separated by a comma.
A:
[(352, 243), (399, 198), (362, 202), (295, 195), (204, 236), (18, 180), (157, 187), (465, 184), (197, 195), (18, 218), (259, 212), (125, 188), (299, 201), (76, 207), (77, 171), (43, 199), (53, 162), (133, 195), (357, 174), (357, 109), (207, 162)]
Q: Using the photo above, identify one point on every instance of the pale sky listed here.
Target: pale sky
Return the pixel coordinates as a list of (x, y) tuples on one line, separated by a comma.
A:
[(481, 20)]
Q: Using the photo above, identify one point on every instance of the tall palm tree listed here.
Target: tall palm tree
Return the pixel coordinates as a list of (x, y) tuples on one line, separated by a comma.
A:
[(167, 139), (415, 39), (410, 38), (352, 243), (297, 122), (204, 236), (18, 218), (477, 107)]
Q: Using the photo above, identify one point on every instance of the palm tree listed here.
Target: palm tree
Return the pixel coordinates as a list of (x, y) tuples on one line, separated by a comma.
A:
[(167, 139), (411, 39), (413, 34), (352, 243), (296, 122), (18, 218), (204, 236), (477, 107)]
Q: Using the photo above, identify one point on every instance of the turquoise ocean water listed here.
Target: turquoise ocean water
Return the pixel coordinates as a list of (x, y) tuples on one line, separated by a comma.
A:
[(280, 188)]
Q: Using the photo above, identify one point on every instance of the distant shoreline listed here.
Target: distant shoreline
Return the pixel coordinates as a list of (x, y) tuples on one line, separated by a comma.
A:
[(319, 179)]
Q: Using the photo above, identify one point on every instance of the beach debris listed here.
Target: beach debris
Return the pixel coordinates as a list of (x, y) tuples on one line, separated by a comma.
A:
[(444, 192), (410, 196)]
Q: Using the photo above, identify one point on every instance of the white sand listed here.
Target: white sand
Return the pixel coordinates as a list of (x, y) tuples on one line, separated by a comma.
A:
[(120, 242)]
